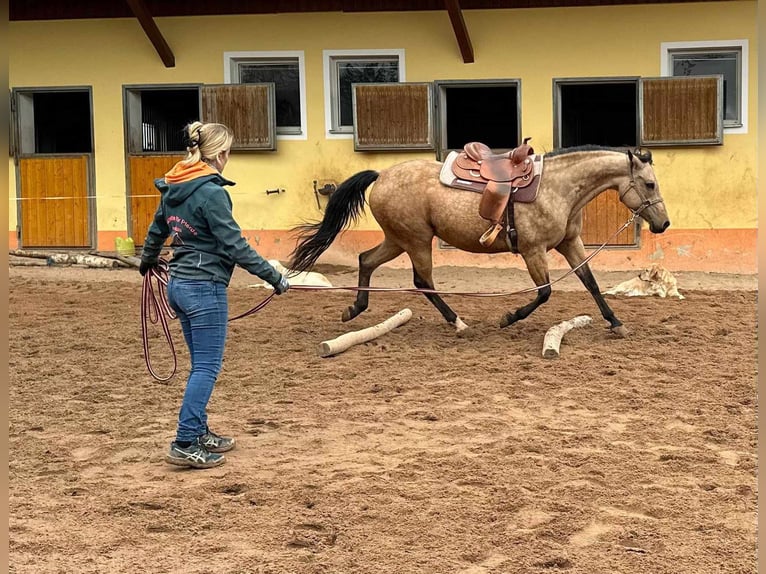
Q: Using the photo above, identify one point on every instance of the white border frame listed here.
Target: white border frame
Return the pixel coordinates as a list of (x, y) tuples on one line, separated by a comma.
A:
[(230, 58), (667, 47), (326, 56)]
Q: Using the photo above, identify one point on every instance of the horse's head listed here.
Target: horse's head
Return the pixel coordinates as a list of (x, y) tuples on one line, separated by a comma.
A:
[(642, 192)]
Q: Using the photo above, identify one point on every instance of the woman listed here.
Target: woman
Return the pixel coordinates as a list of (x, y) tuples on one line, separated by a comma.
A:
[(195, 212)]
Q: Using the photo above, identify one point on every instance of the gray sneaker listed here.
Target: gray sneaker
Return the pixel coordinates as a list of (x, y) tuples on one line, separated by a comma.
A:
[(195, 455), (216, 443)]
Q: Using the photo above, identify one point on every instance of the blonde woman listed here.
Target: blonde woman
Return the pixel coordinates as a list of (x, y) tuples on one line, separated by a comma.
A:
[(195, 211)]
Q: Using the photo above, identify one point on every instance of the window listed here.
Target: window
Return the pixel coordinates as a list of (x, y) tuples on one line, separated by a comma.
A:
[(62, 123), (598, 111), (286, 71), (727, 58), (487, 111), (156, 117), (343, 69)]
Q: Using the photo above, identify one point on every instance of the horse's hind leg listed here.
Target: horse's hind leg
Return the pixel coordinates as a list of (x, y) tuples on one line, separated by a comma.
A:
[(422, 268), (369, 261), (574, 252), (537, 265)]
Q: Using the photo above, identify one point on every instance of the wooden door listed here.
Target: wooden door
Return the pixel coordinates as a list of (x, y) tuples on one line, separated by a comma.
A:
[(602, 217), (54, 201), (144, 196)]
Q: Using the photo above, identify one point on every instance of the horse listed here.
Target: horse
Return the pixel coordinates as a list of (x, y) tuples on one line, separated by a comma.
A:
[(412, 206)]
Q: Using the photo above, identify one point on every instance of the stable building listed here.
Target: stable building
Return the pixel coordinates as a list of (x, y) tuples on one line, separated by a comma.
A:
[(317, 91)]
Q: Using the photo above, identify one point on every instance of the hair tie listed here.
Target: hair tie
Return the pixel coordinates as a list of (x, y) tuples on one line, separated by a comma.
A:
[(189, 142)]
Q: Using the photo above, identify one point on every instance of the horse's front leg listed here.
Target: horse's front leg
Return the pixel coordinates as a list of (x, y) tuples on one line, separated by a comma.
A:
[(537, 265), (574, 252)]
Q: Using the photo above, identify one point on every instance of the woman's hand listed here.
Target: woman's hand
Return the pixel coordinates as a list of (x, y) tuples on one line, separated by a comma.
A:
[(145, 266), (282, 286)]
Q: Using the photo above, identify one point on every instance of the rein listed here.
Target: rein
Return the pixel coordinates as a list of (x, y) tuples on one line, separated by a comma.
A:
[(156, 309)]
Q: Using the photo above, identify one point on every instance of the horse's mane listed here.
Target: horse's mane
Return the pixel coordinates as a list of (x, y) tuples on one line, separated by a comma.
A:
[(644, 155)]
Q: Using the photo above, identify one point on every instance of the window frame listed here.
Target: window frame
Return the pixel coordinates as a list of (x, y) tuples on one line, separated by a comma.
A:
[(232, 60), (329, 60), (669, 49)]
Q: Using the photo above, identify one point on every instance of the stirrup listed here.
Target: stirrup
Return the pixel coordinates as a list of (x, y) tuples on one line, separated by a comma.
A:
[(490, 234)]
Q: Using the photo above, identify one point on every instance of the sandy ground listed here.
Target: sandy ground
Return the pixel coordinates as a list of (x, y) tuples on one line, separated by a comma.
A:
[(419, 452)]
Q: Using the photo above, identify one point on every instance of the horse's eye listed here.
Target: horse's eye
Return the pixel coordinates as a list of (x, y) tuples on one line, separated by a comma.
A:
[(650, 185)]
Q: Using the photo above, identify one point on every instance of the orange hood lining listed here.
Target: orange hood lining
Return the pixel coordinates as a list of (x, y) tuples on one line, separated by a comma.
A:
[(181, 172)]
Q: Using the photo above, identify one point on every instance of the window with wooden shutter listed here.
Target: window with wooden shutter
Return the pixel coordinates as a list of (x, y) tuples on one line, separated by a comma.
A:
[(682, 110), (248, 109), (391, 117)]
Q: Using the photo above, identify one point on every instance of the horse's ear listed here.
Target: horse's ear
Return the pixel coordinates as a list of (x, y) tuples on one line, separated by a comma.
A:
[(645, 155)]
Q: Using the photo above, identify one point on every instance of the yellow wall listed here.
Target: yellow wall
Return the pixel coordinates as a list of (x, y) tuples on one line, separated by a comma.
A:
[(705, 188)]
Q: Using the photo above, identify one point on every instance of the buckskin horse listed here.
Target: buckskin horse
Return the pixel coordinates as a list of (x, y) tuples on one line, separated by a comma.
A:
[(412, 204)]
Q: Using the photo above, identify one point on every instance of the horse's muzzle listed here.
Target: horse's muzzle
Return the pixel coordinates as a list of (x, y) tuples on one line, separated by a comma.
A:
[(659, 228)]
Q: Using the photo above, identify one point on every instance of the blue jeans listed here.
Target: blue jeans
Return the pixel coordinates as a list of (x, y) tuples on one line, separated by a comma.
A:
[(202, 308)]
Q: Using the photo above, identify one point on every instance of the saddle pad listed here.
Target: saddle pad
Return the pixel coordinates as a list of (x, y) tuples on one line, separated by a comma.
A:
[(448, 178)]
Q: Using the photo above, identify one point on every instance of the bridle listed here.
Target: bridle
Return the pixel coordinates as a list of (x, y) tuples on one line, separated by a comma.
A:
[(645, 203)]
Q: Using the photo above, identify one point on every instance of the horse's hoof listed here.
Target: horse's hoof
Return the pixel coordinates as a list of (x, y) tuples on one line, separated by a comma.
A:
[(348, 314), (460, 327), (507, 321), (620, 331)]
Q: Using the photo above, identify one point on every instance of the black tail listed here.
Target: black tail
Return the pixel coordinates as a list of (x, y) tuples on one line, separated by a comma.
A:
[(345, 205)]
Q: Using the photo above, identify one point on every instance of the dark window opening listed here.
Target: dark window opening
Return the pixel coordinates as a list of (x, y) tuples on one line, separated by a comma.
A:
[(599, 114), (164, 114), (62, 122), (485, 114)]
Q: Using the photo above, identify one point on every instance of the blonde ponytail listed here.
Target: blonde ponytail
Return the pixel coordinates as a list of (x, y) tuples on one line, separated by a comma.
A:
[(206, 141)]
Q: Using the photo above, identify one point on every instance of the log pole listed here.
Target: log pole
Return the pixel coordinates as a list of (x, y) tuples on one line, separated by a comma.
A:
[(348, 340), (70, 258), (553, 336), (80, 259)]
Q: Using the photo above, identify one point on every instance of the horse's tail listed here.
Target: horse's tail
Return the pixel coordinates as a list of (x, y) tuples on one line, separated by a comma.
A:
[(345, 205)]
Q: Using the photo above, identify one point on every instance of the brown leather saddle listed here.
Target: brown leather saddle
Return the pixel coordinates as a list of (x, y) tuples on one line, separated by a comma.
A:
[(502, 179)]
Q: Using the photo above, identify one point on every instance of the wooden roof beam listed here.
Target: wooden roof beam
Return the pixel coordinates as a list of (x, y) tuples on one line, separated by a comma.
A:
[(152, 31), (461, 32)]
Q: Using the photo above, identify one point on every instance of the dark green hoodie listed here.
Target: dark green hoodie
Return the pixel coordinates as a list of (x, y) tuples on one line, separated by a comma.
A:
[(195, 210)]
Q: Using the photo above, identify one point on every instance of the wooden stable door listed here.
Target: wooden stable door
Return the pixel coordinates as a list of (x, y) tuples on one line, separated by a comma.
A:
[(54, 201), (144, 196), (601, 219)]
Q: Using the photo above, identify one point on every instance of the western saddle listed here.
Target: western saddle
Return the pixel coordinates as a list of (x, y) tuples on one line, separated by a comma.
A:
[(502, 179)]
